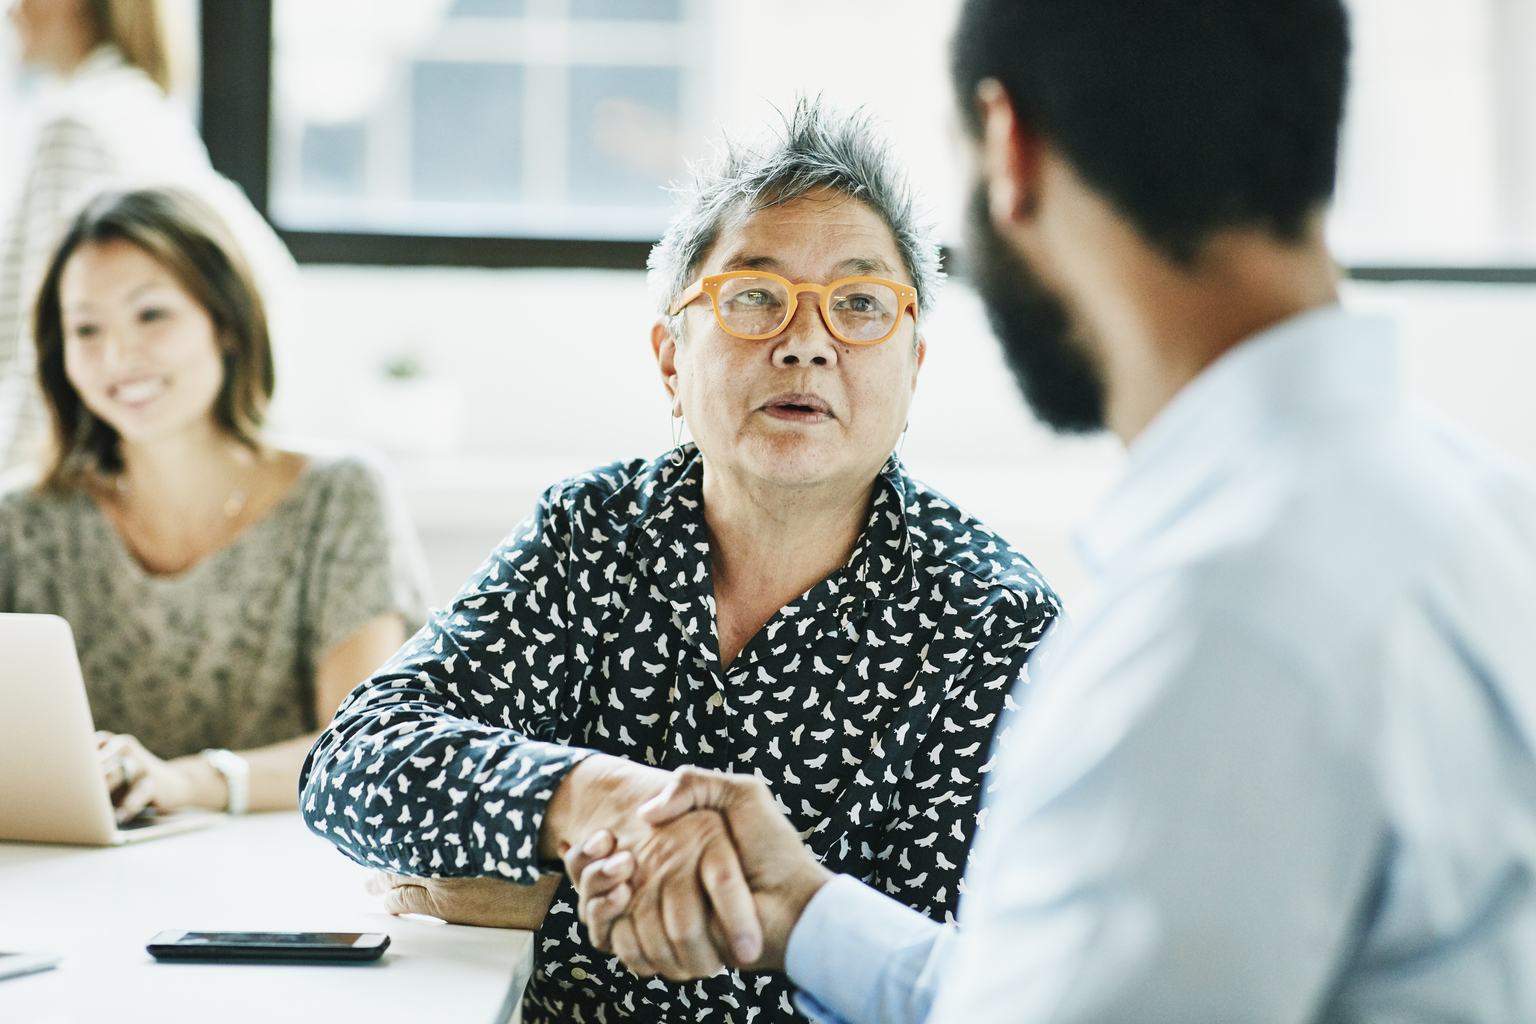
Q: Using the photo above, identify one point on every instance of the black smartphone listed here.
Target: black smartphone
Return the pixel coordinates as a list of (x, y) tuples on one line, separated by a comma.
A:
[(267, 947)]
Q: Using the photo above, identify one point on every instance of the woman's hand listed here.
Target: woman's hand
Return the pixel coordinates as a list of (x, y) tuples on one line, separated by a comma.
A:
[(135, 778), (486, 902)]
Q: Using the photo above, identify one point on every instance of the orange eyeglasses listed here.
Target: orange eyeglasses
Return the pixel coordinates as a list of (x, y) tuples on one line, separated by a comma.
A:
[(753, 305)]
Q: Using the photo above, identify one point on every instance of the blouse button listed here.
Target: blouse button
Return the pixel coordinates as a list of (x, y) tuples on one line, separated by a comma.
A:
[(715, 700), (578, 974)]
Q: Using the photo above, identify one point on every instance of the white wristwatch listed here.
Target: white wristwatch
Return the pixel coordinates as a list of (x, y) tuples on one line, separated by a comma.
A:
[(237, 776)]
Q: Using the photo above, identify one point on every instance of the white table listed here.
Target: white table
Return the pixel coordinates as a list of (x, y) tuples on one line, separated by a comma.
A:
[(264, 872)]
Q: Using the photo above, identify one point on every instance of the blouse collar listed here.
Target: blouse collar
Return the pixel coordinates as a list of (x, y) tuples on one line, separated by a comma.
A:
[(663, 506)]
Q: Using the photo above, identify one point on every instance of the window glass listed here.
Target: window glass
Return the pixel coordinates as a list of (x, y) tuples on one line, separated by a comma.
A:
[(1439, 156), (470, 148), (487, 8), (566, 118), (522, 118), (332, 160), (660, 10), (623, 134)]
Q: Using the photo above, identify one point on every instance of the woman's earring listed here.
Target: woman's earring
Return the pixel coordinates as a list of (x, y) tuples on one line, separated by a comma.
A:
[(677, 439)]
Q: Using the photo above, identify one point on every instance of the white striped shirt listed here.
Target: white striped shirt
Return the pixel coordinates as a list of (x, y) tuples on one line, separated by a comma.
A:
[(106, 126)]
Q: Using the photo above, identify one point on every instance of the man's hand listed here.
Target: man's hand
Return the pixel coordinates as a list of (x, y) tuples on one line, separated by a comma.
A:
[(635, 903), (693, 864), (488, 902), (691, 884)]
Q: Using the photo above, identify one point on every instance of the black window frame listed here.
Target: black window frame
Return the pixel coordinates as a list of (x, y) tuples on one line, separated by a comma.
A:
[(236, 124), (235, 114)]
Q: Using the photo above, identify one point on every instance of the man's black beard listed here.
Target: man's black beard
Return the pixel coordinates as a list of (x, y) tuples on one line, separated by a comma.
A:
[(1057, 376)]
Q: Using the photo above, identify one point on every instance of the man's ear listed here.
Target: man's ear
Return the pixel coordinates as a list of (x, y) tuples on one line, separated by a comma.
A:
[(1011, 156), (921, 351), (665, 347)]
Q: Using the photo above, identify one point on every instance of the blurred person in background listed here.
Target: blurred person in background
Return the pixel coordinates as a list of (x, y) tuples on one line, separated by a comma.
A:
[(224, 595), (106, 121), (779, 596)]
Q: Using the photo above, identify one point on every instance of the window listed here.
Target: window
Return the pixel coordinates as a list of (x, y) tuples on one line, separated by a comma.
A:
[(513, 118), (542, 132), (1439, 160)]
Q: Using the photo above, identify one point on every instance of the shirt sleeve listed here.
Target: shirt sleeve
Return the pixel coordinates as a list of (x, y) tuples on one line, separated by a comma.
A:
[(1182, 829), (365, 560), (858, 957), (443, 763)]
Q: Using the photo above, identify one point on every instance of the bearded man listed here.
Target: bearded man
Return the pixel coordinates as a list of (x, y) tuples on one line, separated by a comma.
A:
[(1280, 765)]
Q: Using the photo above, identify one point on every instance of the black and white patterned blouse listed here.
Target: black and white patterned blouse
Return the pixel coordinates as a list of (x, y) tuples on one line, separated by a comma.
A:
[(867, 704)]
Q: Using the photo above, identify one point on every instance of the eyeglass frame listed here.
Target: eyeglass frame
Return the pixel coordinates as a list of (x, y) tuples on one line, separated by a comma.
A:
[(906, 298)]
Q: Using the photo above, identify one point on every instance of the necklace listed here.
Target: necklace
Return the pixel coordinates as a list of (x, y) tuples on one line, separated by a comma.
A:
[(235, 503), (232, 507), (217, 529)]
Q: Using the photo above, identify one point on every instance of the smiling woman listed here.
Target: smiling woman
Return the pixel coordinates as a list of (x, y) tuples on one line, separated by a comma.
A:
[(223, 593), (105, 117)]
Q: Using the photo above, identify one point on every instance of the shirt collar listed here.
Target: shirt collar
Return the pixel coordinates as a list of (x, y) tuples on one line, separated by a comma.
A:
[(665, 506), (1319, 363), (882, 563)]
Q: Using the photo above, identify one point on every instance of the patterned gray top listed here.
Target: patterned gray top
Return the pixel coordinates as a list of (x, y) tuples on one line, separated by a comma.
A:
[(224, 654), (868, 704)]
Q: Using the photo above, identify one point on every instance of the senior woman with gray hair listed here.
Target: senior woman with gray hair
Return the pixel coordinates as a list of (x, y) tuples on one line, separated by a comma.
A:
[(779, 597)]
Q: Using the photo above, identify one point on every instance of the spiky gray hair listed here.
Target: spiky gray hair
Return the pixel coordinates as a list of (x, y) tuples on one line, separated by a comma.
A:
[(819, 147)]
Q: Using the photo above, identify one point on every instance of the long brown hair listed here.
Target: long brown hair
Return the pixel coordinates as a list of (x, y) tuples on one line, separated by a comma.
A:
[(137, 28), (184, 235)]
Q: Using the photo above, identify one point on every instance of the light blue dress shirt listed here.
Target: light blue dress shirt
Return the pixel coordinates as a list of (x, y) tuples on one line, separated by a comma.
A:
[(1279, 766)]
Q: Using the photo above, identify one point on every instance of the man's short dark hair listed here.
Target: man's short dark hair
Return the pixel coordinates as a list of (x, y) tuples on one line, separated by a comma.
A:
[(1187, 115)]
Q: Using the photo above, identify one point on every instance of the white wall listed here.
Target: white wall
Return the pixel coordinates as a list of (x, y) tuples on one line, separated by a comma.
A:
[(540, 374), (1439, 155)]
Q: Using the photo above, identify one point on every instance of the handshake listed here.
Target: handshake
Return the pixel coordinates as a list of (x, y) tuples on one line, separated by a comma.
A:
[(679, 874)]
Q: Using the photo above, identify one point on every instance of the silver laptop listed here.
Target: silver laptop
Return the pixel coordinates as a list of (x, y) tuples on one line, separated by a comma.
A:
[(51, 785)]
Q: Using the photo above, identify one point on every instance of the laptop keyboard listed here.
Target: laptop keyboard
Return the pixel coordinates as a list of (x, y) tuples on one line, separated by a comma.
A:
[(144, 819)]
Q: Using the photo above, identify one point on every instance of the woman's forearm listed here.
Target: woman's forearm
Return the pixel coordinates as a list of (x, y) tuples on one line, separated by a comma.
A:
[(274, 778), (275, 773)]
